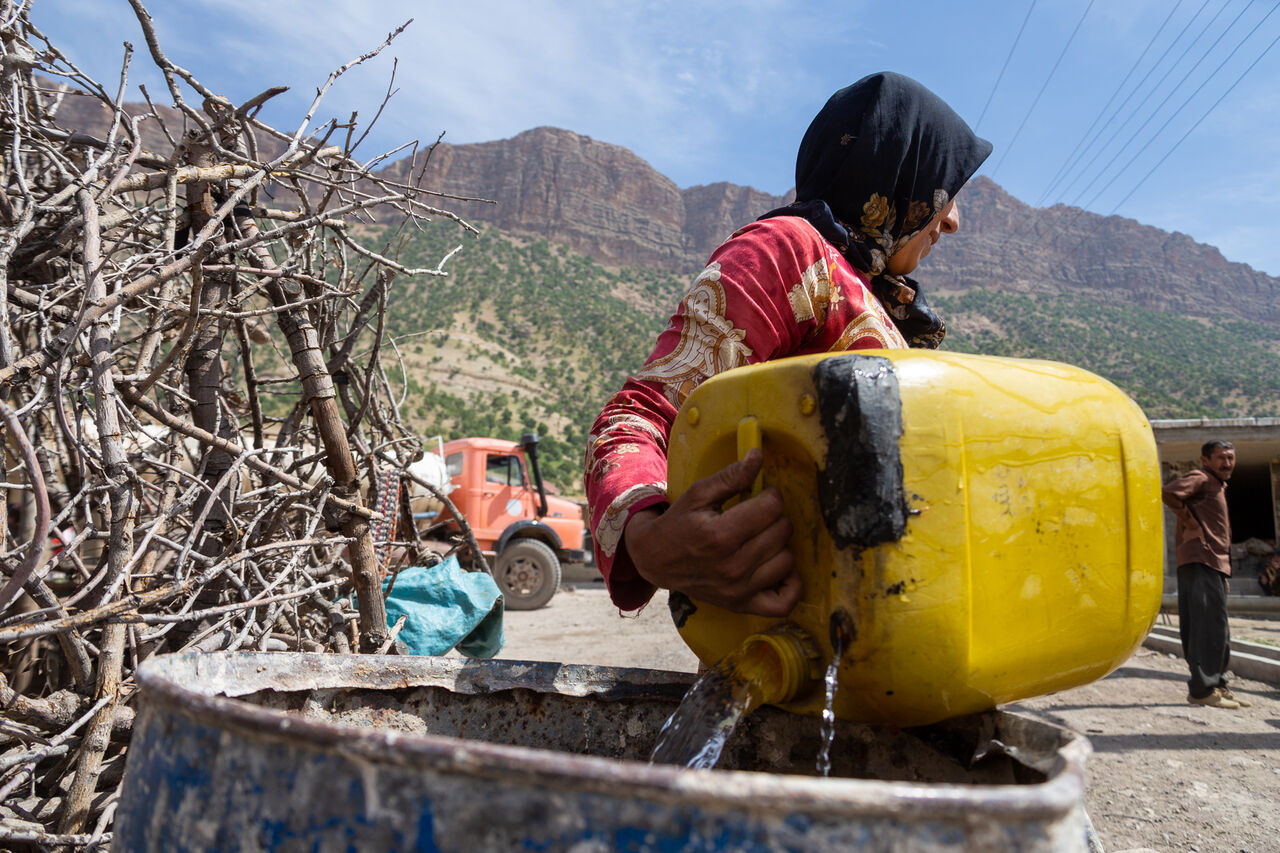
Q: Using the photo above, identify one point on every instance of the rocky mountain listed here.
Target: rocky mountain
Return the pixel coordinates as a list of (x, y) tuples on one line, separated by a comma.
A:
[(599, 199), (585, 249), (1006, 243), (605, 202), (80, 113)]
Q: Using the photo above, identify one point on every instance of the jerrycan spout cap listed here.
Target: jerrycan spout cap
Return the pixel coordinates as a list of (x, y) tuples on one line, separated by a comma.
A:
[(780, 664)]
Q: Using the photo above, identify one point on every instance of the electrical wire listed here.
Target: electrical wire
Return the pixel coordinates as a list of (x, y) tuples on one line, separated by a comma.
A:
[(1212, 107), (1082, 209), (1197, 123), (1005, 67), (1111, 119), (1035, 212), (1138, 109), (1071, 158), (1183, 105), (1052, 71)]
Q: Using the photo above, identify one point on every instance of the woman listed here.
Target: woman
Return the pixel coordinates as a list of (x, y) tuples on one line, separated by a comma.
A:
[(876, 179)]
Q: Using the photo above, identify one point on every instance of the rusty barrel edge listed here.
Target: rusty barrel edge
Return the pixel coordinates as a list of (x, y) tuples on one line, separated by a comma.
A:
[(210, 771)]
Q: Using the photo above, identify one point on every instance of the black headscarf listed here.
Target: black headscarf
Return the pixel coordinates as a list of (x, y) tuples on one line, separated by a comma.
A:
[(882, 158)]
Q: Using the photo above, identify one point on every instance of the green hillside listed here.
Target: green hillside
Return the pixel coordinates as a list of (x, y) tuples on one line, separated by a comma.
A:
[(1174, 366), (555, 332), (525, 334)]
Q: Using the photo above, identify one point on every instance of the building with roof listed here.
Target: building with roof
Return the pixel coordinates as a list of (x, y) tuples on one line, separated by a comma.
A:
[(1253, 495)]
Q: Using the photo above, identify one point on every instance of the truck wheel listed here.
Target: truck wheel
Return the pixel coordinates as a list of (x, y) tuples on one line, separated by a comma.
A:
[(528, 573)]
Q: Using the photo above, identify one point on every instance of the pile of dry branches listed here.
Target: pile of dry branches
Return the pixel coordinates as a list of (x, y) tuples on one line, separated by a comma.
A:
[(194, 409)]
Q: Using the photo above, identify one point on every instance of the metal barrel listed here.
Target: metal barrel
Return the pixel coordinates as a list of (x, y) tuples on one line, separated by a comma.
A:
[(266, 752)]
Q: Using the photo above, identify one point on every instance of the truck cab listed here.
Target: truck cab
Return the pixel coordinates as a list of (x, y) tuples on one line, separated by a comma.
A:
[(526, 533)]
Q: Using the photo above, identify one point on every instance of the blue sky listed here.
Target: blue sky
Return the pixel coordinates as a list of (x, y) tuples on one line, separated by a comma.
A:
[(722, 91)]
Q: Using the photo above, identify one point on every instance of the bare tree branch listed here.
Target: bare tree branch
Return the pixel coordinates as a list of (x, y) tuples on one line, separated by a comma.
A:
[(182, 283)]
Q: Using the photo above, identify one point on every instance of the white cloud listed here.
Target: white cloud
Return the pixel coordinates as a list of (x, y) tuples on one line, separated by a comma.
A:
[(678, 83)]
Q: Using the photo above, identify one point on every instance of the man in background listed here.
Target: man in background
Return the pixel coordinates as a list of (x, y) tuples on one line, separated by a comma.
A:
[(1203, 538)]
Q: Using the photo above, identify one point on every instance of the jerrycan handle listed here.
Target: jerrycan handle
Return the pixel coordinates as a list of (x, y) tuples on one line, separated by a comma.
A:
[(749, 437)]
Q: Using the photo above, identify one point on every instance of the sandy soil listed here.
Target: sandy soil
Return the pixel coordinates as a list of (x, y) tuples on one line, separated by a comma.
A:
[(1165, 775)]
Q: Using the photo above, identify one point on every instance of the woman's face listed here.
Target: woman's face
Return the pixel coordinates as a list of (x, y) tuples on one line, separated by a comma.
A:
[(906, 259)]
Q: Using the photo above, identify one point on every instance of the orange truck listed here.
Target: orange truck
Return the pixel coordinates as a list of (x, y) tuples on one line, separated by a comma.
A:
[(524, 533)]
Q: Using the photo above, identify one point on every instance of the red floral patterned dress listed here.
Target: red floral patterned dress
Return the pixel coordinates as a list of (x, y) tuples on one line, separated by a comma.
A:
[(776, 288)]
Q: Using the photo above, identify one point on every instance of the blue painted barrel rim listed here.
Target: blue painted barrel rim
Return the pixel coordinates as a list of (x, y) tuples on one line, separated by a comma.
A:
[(204, 688)]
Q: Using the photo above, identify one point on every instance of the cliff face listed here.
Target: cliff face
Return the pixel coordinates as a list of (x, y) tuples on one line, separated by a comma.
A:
[(1005, 243), (607, 203), (715, 211), (82, 114), (600, 199)]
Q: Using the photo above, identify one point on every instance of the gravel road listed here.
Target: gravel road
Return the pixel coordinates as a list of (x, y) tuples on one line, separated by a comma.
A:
[(1165, 775)]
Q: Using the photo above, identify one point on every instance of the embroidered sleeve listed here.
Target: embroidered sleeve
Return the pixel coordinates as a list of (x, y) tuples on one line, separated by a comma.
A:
[(765, 293)]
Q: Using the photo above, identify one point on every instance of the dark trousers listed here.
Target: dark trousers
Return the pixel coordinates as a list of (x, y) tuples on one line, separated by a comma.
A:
[(1202, 622)]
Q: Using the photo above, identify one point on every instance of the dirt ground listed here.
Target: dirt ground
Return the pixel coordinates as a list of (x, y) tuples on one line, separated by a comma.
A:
[(1165, 775)]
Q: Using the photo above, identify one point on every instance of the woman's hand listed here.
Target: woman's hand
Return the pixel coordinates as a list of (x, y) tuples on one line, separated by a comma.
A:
[(737, 558)]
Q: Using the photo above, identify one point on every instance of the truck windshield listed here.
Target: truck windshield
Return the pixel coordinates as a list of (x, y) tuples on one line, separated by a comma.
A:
[(453, 464), (505, 470)]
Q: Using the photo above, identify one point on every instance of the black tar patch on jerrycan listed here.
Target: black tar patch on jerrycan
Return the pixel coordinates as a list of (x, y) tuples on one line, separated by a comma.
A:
[(860, 489)]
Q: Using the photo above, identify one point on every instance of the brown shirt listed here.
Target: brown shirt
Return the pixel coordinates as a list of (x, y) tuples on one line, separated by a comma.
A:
[(1204, 496)]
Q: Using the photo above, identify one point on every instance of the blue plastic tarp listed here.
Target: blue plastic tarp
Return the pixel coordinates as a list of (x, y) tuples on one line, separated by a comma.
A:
[(446, 608)]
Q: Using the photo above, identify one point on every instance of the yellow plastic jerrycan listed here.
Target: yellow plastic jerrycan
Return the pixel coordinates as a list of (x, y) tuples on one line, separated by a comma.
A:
[(973, 530)]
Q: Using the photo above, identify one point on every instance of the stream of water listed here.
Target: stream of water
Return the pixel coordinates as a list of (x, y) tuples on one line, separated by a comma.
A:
[(696, 733), (829, 712)]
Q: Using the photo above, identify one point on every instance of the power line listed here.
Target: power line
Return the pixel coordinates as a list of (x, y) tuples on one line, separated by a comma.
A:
[(1052, 71), (1197, 123), (1035, 215), (1025, 221), (1004, 67), (1212, 107), (1188, 99), (1136, 110), (1067, 226), (1069, 161)]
